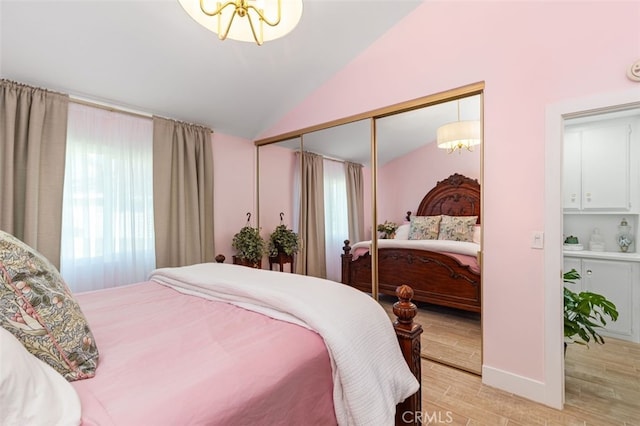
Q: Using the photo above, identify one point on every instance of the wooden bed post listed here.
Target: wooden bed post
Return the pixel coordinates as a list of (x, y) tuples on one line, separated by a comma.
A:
[(408, 332), (347, 257)]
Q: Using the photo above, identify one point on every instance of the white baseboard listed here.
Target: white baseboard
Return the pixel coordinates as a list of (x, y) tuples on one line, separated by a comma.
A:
[(522, 386)]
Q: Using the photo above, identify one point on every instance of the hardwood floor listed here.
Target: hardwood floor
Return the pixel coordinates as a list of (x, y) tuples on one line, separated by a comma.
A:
[(602, 382), (450, 336), (602, 388)]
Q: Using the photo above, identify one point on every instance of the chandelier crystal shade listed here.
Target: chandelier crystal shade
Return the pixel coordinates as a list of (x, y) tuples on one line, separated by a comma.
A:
[(459, 134), (246, 20)]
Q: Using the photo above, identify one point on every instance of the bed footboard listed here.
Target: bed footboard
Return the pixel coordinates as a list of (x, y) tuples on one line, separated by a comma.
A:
[(435, 277), (408, 412)]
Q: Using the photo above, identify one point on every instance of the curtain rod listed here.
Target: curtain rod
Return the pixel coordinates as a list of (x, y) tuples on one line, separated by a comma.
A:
[(108, 107), (122, 110)]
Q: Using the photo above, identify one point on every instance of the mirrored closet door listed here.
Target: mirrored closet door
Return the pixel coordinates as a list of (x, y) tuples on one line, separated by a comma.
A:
[(390, 159)]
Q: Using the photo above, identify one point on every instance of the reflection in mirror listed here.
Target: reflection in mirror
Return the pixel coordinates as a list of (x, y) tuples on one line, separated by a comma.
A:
[(336, 187), (410, 165), (277, 194)]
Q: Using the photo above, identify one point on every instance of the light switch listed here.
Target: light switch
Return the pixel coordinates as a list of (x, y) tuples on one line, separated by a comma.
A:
[(537, 239)]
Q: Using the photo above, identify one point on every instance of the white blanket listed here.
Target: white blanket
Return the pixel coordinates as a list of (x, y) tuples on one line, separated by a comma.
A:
[(458, 247), (370, 374)]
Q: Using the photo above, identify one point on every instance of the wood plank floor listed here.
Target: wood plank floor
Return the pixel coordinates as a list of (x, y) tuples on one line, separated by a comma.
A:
[(450, 336), (602, 382), (602, 388)]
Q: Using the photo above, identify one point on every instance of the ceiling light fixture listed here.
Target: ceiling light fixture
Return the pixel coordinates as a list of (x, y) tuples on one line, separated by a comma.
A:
[(459, 134), (259, 20)]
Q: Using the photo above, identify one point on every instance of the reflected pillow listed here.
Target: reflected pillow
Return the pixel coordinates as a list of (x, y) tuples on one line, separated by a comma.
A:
[(33, 393), (402, 233), (424, 227), (476, 234), (37, 307), (457, 228)]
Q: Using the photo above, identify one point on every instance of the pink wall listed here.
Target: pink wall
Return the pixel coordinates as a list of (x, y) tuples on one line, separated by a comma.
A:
[(277, 167), (403, 182), (234, 177), (529, 54)]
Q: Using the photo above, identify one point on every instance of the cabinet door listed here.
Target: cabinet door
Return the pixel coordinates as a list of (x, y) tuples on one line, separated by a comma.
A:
[(569, 264), (572, 193), (613, 280), (605, 167)]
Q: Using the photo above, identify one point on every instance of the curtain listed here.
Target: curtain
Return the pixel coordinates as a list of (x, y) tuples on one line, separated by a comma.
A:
[(33, 132), (107, 231), (355, 200), (336, 216), (183, 193), (311, 257)]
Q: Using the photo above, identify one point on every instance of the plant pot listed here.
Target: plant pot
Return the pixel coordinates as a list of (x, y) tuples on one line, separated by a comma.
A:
[(246, 262)]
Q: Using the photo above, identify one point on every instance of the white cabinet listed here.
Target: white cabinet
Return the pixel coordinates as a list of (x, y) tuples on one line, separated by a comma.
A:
[(573, 263), (617, 281), (596, 160)]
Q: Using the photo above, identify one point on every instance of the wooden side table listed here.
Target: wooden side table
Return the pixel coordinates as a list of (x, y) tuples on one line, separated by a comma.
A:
[(280, 260)]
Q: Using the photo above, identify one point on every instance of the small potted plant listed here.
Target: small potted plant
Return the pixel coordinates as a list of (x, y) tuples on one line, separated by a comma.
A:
[(250, 246), (584, 313), (388, 229), (283, 240)]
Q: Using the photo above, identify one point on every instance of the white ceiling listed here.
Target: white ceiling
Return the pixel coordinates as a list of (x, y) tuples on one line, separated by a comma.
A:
[(150, 56)]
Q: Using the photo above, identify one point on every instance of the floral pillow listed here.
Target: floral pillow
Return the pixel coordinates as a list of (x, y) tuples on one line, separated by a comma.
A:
[(37, 307), (424, 227), (457, 228)]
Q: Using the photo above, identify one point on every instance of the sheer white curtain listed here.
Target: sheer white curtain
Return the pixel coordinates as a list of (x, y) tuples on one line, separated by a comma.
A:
[(336, 216), (107, 215)]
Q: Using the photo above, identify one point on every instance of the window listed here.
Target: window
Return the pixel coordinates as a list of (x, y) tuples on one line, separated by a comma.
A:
[(107, 215), (336, 216)]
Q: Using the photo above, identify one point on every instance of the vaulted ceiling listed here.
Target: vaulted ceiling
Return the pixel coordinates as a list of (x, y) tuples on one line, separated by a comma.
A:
[(150, 56)]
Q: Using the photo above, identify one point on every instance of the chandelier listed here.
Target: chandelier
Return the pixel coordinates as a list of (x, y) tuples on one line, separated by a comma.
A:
[(253, 20), (459, 134)]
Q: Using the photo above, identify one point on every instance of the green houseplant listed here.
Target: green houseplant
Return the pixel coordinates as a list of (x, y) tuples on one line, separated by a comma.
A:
[(283, 240), (250, 246), (584, 313)]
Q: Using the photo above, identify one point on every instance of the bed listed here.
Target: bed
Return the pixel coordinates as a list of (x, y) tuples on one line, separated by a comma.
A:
[(213, 344), (441, 272)]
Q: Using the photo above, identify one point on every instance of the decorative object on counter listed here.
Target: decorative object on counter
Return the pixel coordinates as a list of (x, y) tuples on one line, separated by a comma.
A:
[(572, 243), (624, 237), (596, 243), (388, 230), (584, 313), (250, 246)]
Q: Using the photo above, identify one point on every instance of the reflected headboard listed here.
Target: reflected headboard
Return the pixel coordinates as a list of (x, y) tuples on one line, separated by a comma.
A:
[(456, 195)]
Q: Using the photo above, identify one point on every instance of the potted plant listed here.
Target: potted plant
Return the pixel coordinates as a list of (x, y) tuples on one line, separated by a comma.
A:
[(388, 229), (250, 247), (283, 240), (584, 313)]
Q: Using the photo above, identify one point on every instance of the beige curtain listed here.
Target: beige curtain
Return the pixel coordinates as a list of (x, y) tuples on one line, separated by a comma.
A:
[(182, 193), (355, 200), (311, 257), (33, 137)]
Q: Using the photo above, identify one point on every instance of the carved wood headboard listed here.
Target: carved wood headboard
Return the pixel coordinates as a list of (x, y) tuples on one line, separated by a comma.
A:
[(456, 195)]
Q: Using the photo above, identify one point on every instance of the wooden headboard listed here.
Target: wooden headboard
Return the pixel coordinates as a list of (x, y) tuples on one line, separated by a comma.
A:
[(456, 195)]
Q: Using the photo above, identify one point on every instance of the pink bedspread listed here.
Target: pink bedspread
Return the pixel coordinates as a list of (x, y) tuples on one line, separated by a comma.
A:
[(171, 359)]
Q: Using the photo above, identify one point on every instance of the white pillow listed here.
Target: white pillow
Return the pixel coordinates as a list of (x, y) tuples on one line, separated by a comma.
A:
[(476, 234), (31, 391), (402, 233)]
